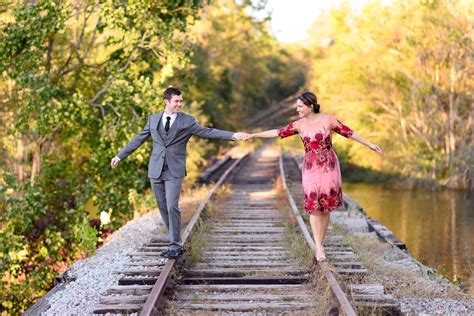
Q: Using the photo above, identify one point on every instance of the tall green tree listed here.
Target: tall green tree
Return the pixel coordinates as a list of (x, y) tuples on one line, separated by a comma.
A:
[(403, 71), (237, 67), (80, 78)]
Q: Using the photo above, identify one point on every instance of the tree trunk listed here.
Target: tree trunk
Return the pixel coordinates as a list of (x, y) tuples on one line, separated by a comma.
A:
[(20, 159), (450, 141), (36, 164)]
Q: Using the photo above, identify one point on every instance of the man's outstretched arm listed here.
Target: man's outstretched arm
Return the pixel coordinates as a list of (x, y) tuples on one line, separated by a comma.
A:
[(132, 145), (214, 133)]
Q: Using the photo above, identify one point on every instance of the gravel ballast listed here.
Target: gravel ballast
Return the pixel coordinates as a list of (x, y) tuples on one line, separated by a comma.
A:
[(419, 289), (94, 275)]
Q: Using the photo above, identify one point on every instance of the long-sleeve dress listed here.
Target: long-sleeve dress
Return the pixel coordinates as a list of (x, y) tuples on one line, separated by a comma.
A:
[(321, 174)]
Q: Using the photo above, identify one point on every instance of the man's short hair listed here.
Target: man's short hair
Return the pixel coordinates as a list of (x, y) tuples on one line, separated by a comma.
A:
[(170, 92)]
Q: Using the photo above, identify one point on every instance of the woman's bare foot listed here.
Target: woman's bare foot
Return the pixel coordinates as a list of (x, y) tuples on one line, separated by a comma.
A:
[(320, 255)]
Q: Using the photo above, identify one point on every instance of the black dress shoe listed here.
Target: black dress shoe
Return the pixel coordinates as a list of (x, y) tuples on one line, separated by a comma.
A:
[(162, 252), (173, 253)]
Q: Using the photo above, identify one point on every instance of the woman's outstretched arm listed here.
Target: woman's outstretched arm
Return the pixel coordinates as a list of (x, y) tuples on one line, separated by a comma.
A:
[(355, 136), (345, 131), (266, 134)]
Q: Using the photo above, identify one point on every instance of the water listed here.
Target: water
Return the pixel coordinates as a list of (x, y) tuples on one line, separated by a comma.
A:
[(437, 227)]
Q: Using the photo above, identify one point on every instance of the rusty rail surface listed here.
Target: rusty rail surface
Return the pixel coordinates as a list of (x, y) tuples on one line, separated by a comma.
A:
[(151, 304), (340, 295)]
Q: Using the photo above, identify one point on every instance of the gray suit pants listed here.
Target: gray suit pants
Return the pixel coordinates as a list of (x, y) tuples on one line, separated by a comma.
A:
[(167, 190)]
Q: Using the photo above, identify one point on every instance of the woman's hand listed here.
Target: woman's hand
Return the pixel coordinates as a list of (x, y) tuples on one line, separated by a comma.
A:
[(376, 148)]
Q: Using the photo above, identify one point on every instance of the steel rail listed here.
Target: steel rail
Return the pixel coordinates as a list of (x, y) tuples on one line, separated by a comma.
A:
[(341, 297), (153, 300)]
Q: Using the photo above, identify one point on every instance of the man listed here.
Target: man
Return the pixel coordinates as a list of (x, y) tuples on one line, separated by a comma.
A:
[(171, 131)]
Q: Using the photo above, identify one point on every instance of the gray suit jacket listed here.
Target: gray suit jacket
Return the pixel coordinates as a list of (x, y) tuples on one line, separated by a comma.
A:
[(175, 147)]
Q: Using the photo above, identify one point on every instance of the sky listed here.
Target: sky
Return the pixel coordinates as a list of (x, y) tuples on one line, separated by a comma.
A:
[(292, 18)]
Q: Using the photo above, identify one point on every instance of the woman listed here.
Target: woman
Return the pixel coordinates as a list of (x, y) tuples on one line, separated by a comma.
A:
[(321, 174)]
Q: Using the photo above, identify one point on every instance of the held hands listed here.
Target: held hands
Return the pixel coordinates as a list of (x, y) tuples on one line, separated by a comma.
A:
[(114, 162), (376, 148), (242, 136)]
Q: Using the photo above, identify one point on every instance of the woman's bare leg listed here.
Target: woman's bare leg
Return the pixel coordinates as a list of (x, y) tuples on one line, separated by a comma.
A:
[(319, 226)]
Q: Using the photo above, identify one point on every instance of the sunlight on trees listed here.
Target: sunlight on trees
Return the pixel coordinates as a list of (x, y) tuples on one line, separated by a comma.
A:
[(403, 74), (78, 80)]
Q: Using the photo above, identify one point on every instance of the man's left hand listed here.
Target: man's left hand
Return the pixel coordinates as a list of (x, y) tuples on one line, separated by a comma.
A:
[(241, 136)]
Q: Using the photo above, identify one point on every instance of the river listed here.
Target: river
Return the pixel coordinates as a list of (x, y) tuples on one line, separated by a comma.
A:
[(436, 226)]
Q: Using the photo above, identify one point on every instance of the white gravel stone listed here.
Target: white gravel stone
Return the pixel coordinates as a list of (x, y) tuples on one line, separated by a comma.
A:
[(355, 224), (97, 273)]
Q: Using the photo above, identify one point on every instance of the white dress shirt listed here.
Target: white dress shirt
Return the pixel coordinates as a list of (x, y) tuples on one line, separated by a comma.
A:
[(165, 115)]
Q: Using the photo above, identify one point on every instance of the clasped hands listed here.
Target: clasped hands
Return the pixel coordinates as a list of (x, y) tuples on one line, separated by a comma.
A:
[(242, 136)]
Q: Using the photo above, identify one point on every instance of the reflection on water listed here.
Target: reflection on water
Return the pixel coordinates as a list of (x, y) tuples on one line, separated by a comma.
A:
[(437, 227)]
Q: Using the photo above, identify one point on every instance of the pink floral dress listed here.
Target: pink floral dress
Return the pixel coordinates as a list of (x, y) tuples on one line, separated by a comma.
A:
[(321, 174)]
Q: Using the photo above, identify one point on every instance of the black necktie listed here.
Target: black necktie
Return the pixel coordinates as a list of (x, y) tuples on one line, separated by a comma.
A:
[(167, 125)]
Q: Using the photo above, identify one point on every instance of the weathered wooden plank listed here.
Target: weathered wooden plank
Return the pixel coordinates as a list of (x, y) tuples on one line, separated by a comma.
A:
[(248, 230), (148, 272), (200, 297), (118, 309), (372, 297), (248, 306), (123, 299), (244, 238), (348, 264), (252, 217), (342, 253), (243, 271), (268, 288), (160, 245), (388, 308), (244, 252), (130, 289), (366, 288), (342, 257), (245, 280), (247, 223), (154, 263), (244, 265), (145, 254), (151, 249), (244, 247), (351, 271), (137, 281), (243, 257)]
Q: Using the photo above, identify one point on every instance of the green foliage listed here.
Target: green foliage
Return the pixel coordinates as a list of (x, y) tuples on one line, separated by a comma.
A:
[(401, 74), (237, 68), (87, 237), (79, 80), (36, 241)]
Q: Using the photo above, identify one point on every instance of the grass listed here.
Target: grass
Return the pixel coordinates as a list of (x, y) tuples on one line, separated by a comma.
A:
[(295, 242), (338, 229), (217, 205), (383, 262), (190, 199), (298, 248), (197, 242), (323, 298)]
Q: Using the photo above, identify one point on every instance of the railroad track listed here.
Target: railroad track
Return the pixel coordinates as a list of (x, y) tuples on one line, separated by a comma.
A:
[(246, 267), (367, 297), (141, 287)]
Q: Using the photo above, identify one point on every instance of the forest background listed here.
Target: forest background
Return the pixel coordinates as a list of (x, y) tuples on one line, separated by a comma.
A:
[(79, 79)]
